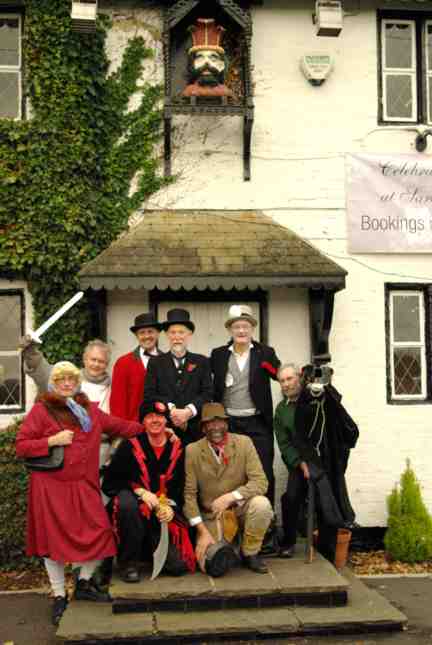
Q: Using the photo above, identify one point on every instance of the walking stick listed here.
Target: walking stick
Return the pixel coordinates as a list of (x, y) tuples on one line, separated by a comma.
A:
[(309, 551)]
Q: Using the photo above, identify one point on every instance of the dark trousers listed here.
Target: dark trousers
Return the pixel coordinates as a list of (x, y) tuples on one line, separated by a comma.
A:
[(262, 438), (139, 536), (292, 502)]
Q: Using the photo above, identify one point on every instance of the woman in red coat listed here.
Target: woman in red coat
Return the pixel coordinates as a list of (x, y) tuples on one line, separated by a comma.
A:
[(66, 519)]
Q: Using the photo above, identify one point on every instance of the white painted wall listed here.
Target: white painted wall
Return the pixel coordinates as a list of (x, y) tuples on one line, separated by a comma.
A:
[(300, 137)]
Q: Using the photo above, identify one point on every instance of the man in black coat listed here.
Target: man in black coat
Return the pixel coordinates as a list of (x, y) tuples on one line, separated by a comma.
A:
[(180, 379), (242, 370), (324, 435)]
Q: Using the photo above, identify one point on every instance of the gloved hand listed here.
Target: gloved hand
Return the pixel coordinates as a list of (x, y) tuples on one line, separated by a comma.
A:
[(30, 352)]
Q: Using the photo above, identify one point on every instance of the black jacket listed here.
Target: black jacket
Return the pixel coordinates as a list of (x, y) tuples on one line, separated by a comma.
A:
[(195, 386), (124, 470), (263, 366)]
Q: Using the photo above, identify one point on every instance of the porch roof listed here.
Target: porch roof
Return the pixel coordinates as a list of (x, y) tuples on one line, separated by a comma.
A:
[(210, 249)]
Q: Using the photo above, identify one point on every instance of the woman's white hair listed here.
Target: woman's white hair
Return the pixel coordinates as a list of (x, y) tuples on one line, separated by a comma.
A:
[(99, 344)]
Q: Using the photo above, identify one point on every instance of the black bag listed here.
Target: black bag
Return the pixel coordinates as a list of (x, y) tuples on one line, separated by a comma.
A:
[(54, 460)]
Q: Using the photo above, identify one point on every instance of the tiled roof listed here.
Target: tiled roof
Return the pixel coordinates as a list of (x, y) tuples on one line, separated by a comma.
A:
[(199, 248)]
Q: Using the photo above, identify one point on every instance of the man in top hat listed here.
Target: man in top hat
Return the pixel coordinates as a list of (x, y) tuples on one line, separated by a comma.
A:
[(129, 371), (224, 475), (179, 379), (142, 471), (242, 370), (206, 60)]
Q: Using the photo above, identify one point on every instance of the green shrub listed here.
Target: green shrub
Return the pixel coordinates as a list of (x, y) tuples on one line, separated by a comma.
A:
[(13, 503), (409, 534)]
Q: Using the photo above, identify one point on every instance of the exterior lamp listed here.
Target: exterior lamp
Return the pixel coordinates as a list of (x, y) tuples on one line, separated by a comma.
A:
[(328, 17), (83, 14), (421, 140)]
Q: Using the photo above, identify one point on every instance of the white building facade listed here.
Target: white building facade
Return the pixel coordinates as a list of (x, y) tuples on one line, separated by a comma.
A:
[(374, 101)]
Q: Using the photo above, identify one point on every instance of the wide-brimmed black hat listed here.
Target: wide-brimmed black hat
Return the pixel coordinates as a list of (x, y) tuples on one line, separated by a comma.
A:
[(145, 320), (178, 317)]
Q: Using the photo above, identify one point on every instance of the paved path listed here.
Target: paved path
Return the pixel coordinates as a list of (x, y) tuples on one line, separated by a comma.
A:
[(25, 618)]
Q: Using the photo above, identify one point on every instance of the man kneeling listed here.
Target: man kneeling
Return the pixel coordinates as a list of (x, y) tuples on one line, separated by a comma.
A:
[(146, 480), (223, 471)]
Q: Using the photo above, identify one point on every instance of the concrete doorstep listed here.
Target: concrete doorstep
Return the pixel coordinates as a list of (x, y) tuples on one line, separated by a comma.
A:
[(365, 611)]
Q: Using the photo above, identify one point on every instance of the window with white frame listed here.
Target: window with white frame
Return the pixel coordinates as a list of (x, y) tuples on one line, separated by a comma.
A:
[(406, 67), (407, 344), (11, 373), (10, 66)]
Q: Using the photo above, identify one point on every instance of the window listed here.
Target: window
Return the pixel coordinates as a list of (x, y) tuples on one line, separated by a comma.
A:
[(11, 372), (406, 67), (10, 66), (407, 347)]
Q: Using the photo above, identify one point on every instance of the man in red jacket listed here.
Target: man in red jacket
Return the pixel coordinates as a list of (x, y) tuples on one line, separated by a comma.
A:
[(129, 372)]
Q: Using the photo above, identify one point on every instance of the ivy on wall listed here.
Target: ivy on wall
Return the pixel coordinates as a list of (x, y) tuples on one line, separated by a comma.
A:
[(66, 172)]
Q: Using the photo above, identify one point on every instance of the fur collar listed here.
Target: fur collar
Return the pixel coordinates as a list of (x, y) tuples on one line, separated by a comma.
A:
[(58, 403)]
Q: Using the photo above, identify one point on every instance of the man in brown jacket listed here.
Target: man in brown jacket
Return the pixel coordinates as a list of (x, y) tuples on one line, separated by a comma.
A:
[(223, 471)]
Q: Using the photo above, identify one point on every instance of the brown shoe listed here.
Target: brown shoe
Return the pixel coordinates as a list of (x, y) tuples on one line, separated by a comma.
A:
[(255, 563)]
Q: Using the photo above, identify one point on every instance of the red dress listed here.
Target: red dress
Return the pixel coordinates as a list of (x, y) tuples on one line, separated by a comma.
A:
[(66, 519)]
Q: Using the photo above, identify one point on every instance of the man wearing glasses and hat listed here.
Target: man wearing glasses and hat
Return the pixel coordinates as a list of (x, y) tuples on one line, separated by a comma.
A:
[(129, 371), (180, 379), (242, 371)]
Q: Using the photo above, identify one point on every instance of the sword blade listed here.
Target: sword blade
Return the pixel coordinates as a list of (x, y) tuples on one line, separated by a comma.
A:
[(58, 314), (160, 555)]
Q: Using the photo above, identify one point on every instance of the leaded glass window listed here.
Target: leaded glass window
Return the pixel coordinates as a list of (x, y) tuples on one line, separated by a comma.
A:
[(11, 325), (10, 66), (407, 345), (406, 67)]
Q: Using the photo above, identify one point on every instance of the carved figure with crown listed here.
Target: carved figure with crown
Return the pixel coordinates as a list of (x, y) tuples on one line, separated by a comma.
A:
[(207, 62)]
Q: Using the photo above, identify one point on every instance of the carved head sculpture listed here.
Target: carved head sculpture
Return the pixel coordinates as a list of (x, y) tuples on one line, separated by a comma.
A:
[(206, 60)]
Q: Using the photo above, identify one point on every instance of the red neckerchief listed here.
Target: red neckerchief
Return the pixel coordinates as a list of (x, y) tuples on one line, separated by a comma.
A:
[(219, 448), (141, 458)]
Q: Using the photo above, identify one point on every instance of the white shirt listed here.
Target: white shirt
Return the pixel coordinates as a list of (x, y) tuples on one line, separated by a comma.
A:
[(145, 357)]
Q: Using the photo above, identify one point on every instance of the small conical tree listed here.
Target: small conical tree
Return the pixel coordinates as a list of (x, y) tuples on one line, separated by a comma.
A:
[(409, 534)]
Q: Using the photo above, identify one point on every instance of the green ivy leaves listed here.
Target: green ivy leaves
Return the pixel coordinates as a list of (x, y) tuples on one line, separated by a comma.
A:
[(66, 172)]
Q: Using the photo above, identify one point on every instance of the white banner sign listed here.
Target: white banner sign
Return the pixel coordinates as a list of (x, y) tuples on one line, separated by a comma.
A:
[(389, 203)]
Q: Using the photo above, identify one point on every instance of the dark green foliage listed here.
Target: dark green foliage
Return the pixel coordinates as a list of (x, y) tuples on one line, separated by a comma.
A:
[(65, 174), (409, 534), (13, 502)]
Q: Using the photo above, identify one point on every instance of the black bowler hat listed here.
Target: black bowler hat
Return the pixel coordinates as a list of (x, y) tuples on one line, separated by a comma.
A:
[(178, 317), (145, 320)]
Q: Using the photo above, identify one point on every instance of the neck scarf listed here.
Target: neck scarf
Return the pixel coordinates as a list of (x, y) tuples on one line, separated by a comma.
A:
[(219, 449), (77, 410), (103, 379)]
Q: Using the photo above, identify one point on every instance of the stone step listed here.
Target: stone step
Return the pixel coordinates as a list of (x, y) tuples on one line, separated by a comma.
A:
[(288, 582), (95, 624)]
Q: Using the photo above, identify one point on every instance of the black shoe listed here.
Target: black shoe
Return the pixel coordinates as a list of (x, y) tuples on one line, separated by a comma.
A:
[(58, 609), (130, 573), (286, 551), (103, 574), (255, 563), (88, 590), (220, 559), (270, 545)]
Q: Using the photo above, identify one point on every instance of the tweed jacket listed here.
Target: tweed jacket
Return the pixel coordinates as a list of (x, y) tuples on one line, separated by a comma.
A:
[(207, 480), (263, 366)]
